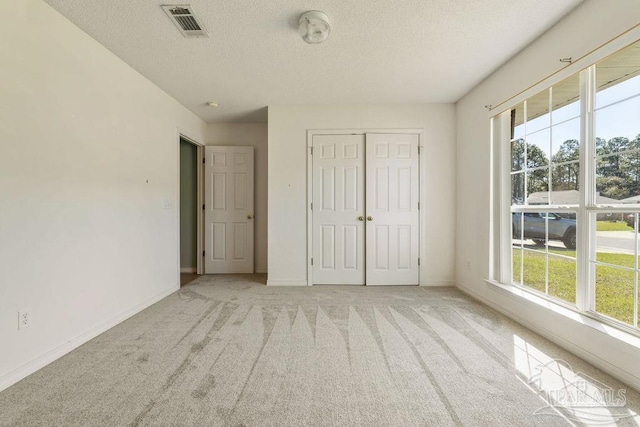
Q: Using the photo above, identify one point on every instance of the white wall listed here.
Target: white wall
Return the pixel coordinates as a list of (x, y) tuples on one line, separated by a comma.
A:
[(288, 127), (88, 187), (254, 135), (593, 23)]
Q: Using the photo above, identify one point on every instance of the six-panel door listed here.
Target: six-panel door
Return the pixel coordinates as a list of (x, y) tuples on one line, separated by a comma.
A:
[(228, 209), (338, 209), (392, 231), (365, 225)]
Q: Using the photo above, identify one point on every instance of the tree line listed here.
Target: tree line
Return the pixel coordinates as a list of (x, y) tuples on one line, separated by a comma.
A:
[(617, 173)]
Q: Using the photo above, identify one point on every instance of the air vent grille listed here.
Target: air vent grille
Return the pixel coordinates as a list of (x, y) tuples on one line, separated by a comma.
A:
[(188, 23), (185, 20)]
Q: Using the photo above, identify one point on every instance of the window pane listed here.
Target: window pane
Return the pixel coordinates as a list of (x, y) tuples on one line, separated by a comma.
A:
[(516, 268), (618, 91), (618, 124), (564, 183), (566, 99), (517, 155), (562, 278), (614, 292), (562, 233), (565, 141), (517, 188), (618, 178), (616, 76), (517, 227), (615, 239), (538, 148), (534, 270), (535, 231), (538, 116), (538, 187)]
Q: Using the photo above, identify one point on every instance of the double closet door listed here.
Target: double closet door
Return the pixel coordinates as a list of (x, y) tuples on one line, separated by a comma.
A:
[(365, 212)]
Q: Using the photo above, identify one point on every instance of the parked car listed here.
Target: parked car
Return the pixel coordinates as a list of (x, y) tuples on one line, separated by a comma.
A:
[(559, 228)]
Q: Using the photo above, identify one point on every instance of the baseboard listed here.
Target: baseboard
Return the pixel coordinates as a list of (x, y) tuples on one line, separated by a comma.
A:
[(286, 283), (188, 269), (40, 362), (597, 361), (261, 271), (438, 283)]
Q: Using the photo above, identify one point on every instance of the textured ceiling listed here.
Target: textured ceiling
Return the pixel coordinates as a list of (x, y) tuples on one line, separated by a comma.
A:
[(379, 51)]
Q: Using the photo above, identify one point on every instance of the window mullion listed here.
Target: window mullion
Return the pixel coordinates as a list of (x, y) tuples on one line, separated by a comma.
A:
[(585, 275)]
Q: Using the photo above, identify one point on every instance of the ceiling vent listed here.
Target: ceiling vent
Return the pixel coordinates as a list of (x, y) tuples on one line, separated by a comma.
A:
[(182, 15)]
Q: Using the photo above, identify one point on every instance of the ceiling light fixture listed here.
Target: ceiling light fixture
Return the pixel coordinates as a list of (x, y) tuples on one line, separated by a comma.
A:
[(212, 104), (314, 27)]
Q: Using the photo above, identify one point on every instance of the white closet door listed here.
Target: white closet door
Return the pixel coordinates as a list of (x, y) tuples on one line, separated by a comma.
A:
[(228, 209), (338, 209), (392, 209)]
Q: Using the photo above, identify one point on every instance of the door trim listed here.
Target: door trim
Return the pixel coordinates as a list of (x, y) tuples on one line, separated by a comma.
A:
[(200, 195), (421, 167)]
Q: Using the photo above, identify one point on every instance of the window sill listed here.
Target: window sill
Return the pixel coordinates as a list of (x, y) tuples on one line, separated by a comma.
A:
[(586, 319)]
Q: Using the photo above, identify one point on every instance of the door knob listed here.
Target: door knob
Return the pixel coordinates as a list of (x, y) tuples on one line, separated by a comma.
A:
[(369, 218), (249, 216), (360, 218)]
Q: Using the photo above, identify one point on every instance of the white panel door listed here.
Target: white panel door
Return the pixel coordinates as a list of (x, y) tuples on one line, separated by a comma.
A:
[(338, 209), (228, 209), (392, 209)]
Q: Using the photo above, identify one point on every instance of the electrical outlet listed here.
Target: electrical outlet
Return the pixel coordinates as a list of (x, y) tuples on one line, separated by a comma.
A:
[(24, 318)]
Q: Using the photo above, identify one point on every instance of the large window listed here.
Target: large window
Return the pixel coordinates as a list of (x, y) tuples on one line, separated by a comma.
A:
[(545, 152), (574, 178)]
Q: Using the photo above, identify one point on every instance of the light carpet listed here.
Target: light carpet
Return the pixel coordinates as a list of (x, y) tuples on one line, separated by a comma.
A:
[(227, 350)]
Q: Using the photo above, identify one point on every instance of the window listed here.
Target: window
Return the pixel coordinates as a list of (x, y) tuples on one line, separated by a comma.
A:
[(616, 172), (545, 147), (574, 182)]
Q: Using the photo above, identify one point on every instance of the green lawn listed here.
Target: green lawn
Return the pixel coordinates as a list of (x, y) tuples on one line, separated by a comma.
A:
[(612, 226), (614, 286)]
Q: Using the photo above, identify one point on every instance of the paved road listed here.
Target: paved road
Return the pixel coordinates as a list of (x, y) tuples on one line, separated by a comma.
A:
[(608, 241), (615, 241)]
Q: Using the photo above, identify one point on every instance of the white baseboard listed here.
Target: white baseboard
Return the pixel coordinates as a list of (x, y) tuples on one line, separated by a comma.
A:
[(618, 373), (40, 362), (438, 283), (188, 269), (286, 283), (261, 271)]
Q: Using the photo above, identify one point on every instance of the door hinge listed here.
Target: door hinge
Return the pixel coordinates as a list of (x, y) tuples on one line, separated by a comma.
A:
[(418, 260), (204, 160), (203, 207), (418, 205), (311, 205), (311, 261), (312, 151), (418, 149), (203, 253)]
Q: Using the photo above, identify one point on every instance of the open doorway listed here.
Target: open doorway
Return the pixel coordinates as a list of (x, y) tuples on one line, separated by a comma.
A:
[(190, 215)]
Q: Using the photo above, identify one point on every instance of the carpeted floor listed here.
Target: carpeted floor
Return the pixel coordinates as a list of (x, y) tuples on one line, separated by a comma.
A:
[(227, 350)]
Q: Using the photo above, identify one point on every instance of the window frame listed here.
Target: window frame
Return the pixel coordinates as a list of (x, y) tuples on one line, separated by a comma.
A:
[(587, 209)]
